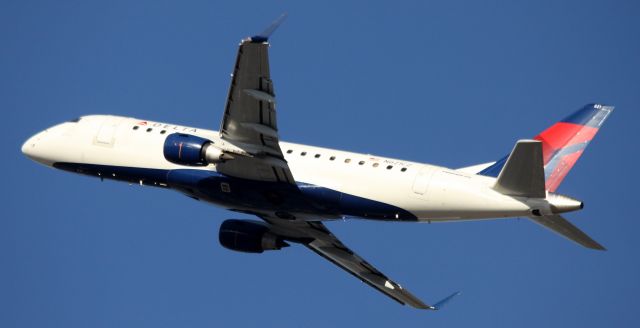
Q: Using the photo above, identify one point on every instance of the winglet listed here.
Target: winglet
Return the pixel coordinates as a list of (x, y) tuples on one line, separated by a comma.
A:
[(266, 34), (444, 301)]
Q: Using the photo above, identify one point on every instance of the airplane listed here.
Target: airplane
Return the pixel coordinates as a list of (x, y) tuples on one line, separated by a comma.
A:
[(292, 188)]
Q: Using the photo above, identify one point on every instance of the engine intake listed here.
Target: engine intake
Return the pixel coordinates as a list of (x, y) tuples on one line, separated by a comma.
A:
[(249, 236), (186, 149)]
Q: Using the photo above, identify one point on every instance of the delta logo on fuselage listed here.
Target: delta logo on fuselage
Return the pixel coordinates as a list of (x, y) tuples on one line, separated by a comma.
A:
[(166, 126)]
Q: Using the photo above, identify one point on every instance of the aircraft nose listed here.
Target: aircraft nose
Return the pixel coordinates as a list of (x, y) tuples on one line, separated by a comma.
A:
[(55, 144), (33, 148), (29, 146)]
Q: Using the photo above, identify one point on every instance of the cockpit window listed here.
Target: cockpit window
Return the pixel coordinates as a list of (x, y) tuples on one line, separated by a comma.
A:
[(75, 120)]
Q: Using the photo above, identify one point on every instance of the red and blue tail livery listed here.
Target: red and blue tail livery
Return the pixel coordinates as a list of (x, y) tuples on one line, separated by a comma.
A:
[(563, 143)]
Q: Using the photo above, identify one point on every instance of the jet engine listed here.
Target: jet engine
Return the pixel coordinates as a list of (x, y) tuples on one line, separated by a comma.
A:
[(249, 236), (186, 149)]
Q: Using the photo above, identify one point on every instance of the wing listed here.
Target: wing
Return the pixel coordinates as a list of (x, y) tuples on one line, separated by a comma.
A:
[(319, 239), (249, 121)]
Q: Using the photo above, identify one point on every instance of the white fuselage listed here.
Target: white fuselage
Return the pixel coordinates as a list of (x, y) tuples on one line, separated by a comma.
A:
[(428, 192)]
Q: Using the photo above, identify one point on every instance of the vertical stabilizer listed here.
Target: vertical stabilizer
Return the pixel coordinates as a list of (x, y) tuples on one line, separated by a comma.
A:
[(563, 143)]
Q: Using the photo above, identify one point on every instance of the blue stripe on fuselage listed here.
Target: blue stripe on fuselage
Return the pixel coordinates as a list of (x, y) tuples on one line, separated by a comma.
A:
[(238, 193)]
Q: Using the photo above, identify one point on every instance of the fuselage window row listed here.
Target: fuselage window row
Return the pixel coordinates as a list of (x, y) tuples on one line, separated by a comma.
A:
[(136, 127), (347, 160)]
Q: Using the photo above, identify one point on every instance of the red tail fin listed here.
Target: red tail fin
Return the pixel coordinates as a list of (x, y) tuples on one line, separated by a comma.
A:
[(563, 143)]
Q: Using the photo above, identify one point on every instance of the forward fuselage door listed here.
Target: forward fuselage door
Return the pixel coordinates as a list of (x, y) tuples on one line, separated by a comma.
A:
[(106, 134)]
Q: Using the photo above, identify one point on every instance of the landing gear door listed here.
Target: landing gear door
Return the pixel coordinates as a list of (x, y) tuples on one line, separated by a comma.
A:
[(421, 182), (106, 134)]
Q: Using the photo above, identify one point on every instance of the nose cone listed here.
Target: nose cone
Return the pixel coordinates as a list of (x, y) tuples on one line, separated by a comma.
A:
[(34, 149), (58, 143), (29, 146)]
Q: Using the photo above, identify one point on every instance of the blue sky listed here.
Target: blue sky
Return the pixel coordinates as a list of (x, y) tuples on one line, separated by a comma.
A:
[(449, 82)]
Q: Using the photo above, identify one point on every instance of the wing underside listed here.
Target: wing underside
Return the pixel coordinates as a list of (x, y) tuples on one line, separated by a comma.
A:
[(249, 120), (316, 237)]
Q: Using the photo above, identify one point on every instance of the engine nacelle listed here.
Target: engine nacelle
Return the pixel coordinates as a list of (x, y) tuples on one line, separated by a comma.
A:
[(186, 149), (249, 236)]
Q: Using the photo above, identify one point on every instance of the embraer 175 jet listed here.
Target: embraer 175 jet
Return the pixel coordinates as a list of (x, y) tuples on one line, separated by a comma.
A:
[(292, 188)]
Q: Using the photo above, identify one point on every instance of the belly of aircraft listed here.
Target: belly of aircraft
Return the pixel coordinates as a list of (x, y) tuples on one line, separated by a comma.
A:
[(282, 199)]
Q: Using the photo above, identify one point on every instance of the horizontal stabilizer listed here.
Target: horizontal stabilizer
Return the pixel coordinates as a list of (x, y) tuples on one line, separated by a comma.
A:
[(563, 227), (523, 172)]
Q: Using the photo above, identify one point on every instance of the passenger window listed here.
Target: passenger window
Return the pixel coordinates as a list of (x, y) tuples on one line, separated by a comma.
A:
[(361, 162), (135, 127), (149, 129), (317, 156), (348, 160), (403, 169), (332, 158), (163, 131), (289, 151), (389, 167), (376, 164), (304, 153)]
